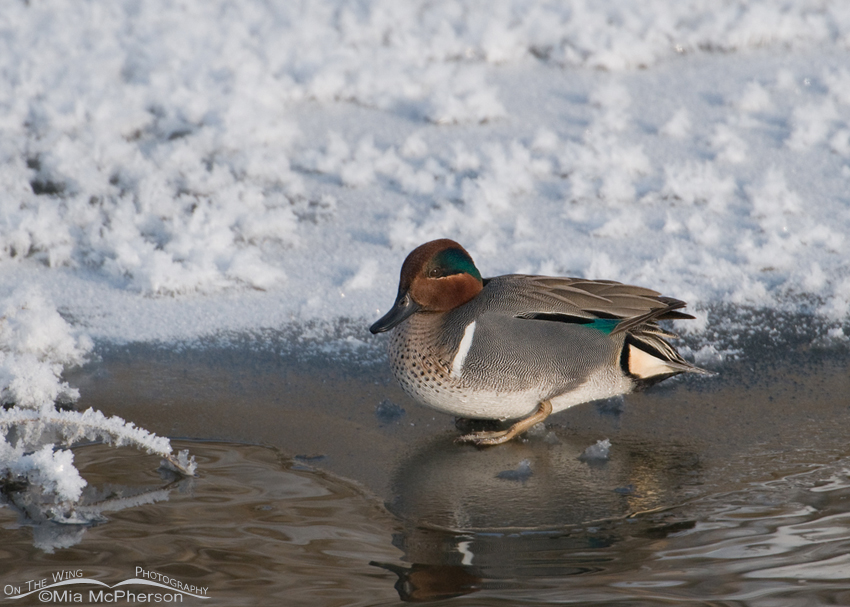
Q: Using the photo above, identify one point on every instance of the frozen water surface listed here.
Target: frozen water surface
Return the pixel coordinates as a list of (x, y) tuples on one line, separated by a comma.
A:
[(211, 201)]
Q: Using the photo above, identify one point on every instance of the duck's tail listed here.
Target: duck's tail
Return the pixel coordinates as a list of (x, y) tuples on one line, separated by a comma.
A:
[(647, 357)]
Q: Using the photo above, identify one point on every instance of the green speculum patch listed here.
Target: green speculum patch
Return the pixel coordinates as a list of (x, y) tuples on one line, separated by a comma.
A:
[(605, 325)]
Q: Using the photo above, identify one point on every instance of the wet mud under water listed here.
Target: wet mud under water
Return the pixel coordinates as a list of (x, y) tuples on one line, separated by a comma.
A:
[(320, 483)]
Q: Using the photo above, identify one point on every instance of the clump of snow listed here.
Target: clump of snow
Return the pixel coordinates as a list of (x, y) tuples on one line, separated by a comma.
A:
[(36, 345), (836, 308), (709, 355), (837, 333), (537, 430), (520, 474), (53, 471), (698, 324), (388, 412), (460, 98), (598, 452)]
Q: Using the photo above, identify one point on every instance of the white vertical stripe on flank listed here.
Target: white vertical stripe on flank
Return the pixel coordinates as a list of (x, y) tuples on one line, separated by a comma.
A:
[(463, 349)]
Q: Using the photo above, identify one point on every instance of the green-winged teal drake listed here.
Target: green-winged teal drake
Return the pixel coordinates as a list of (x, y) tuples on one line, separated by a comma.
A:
[(518, 346)]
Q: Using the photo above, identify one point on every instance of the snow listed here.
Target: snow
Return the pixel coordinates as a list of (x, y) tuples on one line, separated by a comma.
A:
[(597, 452), (36, 346), (175, 171), (52, 470), (522, 472)]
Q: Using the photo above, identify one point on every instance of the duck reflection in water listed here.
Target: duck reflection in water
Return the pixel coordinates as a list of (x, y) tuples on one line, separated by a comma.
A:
[(468, 526)]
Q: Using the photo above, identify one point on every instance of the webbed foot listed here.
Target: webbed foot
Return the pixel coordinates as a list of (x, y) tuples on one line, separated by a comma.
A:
[(488, 439)]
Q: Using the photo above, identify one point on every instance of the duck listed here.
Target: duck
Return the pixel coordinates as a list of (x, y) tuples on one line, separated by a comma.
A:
[(521, 347)]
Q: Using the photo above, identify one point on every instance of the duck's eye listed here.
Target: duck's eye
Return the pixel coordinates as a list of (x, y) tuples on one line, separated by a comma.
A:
[(434, 273)]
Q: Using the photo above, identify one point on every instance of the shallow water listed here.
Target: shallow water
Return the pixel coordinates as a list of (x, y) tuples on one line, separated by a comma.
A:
[(727, 490), (251, 529)]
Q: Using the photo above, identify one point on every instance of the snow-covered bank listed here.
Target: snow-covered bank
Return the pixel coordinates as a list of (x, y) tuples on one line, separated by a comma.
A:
[(169, 172)]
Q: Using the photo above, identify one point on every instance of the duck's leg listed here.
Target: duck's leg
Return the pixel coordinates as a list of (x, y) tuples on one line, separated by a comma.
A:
[(486, 439)]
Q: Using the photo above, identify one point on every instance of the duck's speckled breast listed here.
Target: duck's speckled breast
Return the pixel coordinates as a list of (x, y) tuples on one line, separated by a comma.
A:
[(421, 360)]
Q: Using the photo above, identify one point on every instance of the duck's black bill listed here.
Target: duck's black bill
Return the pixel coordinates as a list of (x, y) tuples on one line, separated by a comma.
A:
[(403, 307)]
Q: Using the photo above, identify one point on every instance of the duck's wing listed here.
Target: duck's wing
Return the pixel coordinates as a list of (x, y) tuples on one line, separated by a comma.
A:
[(577, 300), (608, 306)]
